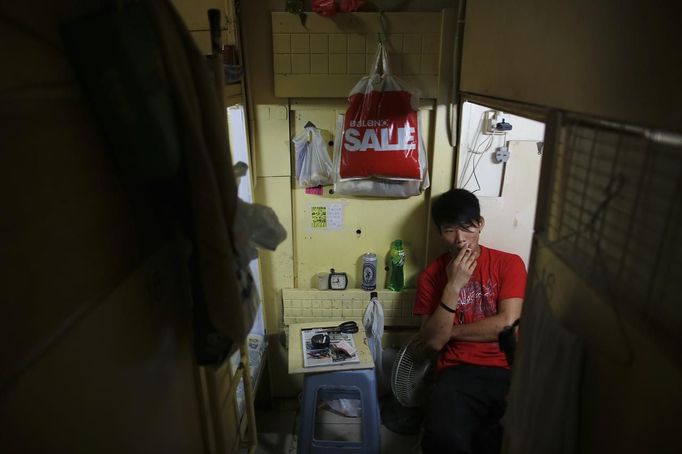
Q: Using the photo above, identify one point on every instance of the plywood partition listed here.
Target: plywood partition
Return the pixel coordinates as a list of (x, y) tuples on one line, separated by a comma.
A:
[(122, 379), (328, 56), (610, 59)]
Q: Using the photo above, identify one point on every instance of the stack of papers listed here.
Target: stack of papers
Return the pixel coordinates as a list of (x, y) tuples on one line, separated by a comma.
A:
[(341, 348)]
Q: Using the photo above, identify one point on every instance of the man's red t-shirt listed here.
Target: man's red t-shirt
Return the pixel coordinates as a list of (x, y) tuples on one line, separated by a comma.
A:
[(498, 276)]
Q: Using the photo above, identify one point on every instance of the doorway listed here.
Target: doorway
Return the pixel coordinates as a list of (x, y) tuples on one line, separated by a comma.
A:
[(499, 161)]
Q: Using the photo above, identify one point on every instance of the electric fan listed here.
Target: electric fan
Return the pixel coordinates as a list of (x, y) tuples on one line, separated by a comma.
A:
[(410, 375), (413, 363)]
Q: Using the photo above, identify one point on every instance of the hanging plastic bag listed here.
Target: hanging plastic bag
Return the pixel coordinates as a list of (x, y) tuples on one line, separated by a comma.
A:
[(351, 408), (325, 8), (313, 164), (381, 135), (350, 6), (376, 187), (255, 226), (373, 321)]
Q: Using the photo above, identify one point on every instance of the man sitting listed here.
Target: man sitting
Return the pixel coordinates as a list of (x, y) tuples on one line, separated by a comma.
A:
[(465, 298)]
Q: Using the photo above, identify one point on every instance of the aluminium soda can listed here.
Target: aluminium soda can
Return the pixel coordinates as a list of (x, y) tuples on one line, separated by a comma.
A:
[(369, 271)]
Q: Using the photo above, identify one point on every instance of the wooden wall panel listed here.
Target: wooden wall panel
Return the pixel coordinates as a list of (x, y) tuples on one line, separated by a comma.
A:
[(122, 380), (618, 60)]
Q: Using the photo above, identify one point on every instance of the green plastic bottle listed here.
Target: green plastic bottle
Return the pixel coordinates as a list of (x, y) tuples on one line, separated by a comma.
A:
[(397, 279)]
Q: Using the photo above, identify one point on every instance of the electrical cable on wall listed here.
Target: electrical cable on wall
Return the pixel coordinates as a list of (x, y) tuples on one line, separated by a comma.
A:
[(473, 170), (471, 151), (472, 159), (477, 160)]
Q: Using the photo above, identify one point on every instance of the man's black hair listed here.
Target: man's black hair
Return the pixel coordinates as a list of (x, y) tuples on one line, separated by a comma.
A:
[(456, 207)]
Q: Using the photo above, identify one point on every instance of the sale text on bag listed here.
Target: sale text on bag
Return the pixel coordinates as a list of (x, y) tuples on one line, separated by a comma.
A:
[(379, 139), (380, 136)]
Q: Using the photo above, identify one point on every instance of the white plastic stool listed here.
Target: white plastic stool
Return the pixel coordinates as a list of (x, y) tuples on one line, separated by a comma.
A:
[(358, 383)]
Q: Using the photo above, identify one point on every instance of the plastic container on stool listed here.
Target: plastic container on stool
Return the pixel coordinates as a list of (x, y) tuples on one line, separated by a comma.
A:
[(353, 384)]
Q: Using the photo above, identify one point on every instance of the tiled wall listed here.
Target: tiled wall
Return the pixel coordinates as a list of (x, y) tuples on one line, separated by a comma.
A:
[(328, 57), (347, 53), (303, 306)]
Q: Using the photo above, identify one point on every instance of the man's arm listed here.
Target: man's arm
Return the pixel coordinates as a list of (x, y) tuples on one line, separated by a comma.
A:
[(436, 328), (487, 329)]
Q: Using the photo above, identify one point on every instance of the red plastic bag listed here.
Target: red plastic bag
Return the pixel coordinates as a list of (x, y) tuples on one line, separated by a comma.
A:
[(324, 7), (374, 187), (381, 136), (349, 6)]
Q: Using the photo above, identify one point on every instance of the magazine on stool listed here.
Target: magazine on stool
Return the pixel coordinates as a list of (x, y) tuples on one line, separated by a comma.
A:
[(337, 349)]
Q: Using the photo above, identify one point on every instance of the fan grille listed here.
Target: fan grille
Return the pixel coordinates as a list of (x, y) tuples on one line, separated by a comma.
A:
[(407, 377)]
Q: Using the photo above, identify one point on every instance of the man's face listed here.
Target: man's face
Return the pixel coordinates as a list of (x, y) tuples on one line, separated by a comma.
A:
[(457, 238)]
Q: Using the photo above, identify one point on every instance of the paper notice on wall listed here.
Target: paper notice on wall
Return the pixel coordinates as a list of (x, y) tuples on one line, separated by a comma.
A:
[(326, 216)]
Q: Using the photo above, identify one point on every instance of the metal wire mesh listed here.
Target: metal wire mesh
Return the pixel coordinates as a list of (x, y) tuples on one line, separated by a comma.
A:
[(614, 216), (407, 377)]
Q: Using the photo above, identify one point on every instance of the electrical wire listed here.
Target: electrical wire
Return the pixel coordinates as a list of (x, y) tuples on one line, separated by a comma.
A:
[(475, 151), (475, 154), (478, 185), (470, 149), (473, 170)]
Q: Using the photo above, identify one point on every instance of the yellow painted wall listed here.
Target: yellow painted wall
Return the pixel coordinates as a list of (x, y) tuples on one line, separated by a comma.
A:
[(379, 221), (274, 121), (325, 58)]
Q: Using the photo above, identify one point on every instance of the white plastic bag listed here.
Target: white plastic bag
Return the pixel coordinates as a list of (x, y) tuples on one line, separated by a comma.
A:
[(255, 225), (351, 408), (313, 165), (373, 321)]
